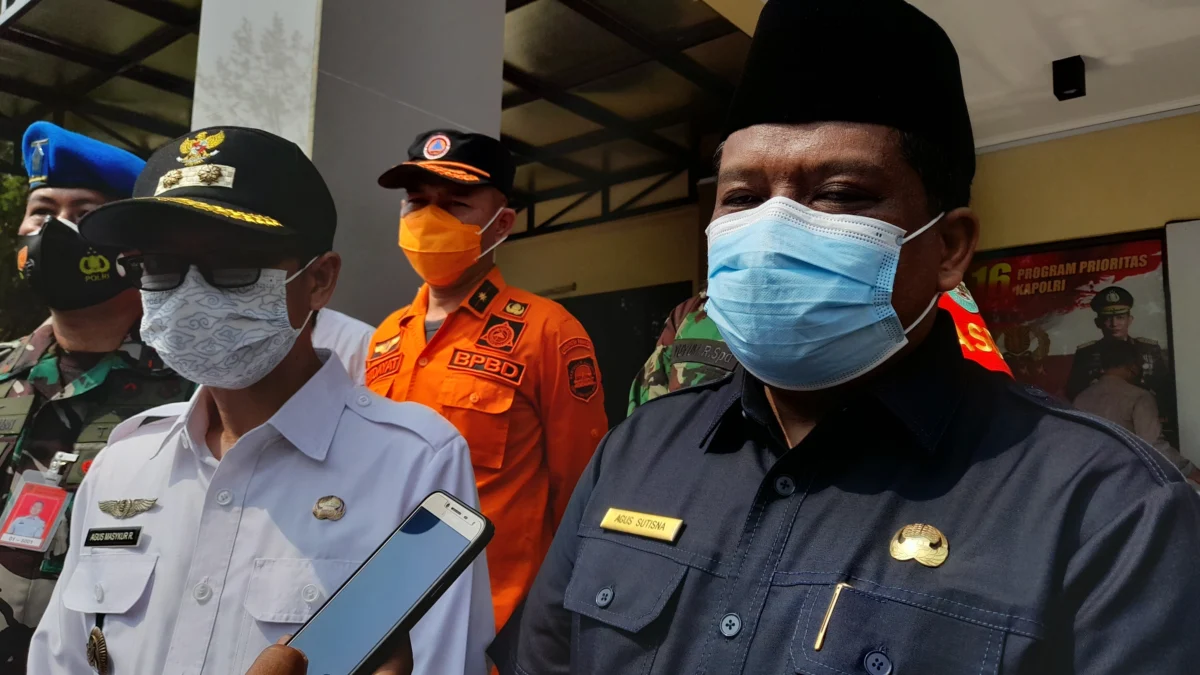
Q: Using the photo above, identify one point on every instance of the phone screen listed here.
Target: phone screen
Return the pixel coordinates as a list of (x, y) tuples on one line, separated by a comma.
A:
[(383, 590)]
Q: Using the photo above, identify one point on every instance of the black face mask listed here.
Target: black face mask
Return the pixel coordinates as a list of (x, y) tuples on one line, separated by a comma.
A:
[(66, 271)]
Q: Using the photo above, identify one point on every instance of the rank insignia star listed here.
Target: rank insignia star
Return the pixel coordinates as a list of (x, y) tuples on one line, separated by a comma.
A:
[(126, 508), (483, 296)]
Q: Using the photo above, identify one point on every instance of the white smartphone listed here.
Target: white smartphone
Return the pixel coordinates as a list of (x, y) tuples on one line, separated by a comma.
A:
[(392, 590)]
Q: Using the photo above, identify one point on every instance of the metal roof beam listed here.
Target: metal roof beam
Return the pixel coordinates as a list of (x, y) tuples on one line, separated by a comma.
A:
[(601, 136), (669, 56), (598, 220), (166, 12), (535, 154), (108, 64), (51, 99), (130, 58), (687, 38), (614, 178), (592, 112)]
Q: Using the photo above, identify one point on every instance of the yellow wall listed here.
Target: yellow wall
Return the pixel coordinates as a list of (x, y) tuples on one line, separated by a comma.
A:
[(1129, 178), (655, 249)]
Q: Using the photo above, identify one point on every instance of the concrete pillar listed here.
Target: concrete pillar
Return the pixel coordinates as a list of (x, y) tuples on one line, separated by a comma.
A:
[(352, 82)]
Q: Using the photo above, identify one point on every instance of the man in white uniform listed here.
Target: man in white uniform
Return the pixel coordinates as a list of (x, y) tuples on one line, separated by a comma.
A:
[(345, 336), (207, 530)]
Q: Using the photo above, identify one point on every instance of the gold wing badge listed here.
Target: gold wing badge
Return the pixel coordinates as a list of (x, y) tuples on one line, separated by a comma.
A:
[(193, 151), (126, 508)]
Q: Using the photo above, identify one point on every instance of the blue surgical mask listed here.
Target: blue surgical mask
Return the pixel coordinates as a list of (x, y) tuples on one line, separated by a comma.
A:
[(804, 298)]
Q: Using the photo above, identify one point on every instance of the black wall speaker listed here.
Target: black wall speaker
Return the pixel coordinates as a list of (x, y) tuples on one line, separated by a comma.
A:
[(1069, 78)]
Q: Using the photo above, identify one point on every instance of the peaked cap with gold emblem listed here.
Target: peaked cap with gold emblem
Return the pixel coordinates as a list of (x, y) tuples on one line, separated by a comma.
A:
[(223, 184)]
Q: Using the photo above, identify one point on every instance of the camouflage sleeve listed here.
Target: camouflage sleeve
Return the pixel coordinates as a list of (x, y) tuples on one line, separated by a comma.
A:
[(652, 381)]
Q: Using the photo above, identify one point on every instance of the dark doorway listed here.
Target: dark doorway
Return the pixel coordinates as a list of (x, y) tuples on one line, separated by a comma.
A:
[(624, 326)]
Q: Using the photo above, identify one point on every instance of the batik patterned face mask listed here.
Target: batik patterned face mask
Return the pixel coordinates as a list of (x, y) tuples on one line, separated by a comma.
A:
[(224, 338)]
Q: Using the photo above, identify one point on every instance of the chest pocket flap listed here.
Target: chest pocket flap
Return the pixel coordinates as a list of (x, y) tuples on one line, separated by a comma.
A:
[(866, 630), (620, 586), (110, 583), (479, 409), (290, 590)]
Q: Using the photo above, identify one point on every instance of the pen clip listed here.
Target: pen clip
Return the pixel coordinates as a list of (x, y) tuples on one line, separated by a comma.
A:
[(837, 592)]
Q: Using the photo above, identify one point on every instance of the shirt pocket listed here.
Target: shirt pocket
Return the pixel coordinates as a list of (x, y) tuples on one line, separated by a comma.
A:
[(109, 583), (281, 595), (875, 635), (479, 409), (117, 585), (618, 594)]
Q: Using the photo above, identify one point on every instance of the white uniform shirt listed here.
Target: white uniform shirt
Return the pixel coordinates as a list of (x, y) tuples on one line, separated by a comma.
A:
[(345, 336), (231, 556)]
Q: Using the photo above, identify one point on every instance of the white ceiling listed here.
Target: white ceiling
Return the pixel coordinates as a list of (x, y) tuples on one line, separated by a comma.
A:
[(1142, 56)]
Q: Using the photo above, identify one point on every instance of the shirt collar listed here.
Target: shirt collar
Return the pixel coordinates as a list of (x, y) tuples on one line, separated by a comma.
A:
[(922, 391), (308, 420), (477, 301)]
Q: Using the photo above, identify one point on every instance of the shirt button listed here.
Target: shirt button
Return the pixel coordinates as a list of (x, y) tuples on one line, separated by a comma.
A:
[(224, 497), (364, 400), (202, 592), (310, 593), (99, 593), (474, 397), (785, 486), (604, 598), (877, 663), (731, 625), (423, 362)]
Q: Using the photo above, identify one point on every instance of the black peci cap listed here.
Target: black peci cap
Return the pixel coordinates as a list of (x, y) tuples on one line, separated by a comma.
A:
[(869, 61), (467, 159), (228, 182)]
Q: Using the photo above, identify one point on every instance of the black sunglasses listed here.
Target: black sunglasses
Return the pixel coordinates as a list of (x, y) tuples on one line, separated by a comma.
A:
[(162, 272)]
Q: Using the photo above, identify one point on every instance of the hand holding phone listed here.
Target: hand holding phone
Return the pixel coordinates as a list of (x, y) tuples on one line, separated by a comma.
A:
[(280, 659), (360, 627)]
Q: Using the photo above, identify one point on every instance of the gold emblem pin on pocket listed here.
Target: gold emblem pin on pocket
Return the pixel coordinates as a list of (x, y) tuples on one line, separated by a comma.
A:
[(97, 651), (924, 543), (329, 507)]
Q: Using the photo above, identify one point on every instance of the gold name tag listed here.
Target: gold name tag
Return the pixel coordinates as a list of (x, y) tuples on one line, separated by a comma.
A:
[(642, 524)]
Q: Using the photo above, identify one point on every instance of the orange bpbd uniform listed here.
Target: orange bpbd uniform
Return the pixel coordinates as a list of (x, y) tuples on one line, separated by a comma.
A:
[(973, 335), (517, 375)]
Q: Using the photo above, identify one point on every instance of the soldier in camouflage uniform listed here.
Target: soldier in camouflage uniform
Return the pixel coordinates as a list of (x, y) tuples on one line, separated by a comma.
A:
[(691, 351), (58, 404)]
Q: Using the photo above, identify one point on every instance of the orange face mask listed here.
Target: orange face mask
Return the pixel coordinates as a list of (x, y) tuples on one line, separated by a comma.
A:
[(439, 246)]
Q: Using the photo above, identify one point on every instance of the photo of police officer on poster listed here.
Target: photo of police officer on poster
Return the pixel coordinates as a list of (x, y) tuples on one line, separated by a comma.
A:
[(1087, 321)]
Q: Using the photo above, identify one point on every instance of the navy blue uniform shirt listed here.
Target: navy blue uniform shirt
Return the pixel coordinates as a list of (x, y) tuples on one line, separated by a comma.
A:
[(1073, 547)]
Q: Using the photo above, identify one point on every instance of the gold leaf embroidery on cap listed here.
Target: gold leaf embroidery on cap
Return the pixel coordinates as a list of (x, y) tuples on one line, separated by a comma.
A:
[(221, 211)]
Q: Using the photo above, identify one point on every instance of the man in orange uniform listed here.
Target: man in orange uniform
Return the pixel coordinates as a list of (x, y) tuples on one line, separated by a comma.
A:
[(514, 372)]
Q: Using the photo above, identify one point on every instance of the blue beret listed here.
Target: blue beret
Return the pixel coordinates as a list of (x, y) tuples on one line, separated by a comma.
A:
[(55, 157)]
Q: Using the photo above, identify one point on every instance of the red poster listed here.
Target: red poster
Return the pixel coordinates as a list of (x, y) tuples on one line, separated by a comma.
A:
[(1087, 321)]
